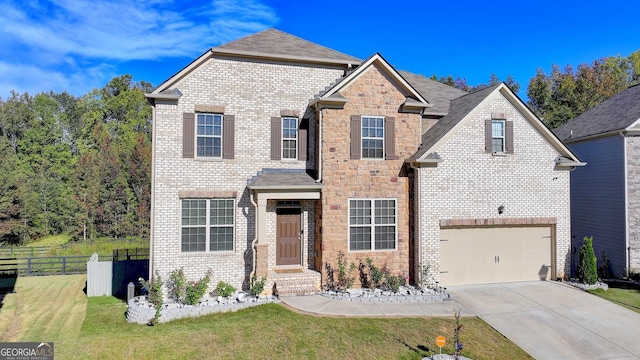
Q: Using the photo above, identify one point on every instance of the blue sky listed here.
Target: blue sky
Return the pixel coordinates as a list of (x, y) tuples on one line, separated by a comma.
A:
[(75, 45)]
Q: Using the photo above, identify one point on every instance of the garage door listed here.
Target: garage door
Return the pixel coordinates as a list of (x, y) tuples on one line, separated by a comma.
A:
[(492, 255)]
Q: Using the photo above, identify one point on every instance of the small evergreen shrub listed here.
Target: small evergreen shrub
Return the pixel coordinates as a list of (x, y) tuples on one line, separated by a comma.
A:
[(587, 265), (256, 286), (345, 272), (225, 290)]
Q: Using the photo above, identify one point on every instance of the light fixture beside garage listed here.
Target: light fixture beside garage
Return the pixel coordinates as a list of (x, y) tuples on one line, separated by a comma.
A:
[(500, 209)]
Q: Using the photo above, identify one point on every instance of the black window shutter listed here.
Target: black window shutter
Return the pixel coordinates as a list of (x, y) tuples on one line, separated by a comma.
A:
[(390, 138), (488, 146), (276, 138), (188, 134), (228, 136), (356, 136)]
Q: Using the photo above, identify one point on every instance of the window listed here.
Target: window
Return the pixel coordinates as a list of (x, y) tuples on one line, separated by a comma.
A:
[(372, 137), (372, 224), (204, 219), (289, 138), (209, 135), (498, 136)]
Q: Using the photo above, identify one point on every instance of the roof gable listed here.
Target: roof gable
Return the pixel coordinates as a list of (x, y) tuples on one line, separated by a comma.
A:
[(276, 42), (619, 112), (414, 98), (269, 44), (465, 107)]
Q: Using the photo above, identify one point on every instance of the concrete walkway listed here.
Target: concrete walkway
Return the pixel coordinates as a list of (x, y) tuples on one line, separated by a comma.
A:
[(320, 305), (551, 320)]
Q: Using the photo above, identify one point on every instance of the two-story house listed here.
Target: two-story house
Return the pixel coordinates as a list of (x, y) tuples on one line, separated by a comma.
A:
[(272, 155)]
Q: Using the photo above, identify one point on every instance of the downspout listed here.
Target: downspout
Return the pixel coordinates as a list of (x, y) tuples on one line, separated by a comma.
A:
[(416, 219), (319, 145), (152, 102), (626, 202), (255, 236)]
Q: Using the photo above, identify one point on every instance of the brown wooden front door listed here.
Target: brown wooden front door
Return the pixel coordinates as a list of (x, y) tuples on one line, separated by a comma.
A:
[(288, 239)]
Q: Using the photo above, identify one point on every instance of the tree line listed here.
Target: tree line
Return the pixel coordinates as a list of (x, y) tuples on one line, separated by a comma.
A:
[(82, 165), (77, 165), (564, 94)]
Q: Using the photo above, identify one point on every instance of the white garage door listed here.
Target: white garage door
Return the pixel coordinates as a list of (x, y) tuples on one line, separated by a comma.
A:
[(492, 255)]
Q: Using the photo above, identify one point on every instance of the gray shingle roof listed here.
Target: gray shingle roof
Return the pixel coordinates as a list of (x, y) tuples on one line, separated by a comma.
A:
[(615, 113), (460, 107), (437, 94), (276, 42), (283, 178)]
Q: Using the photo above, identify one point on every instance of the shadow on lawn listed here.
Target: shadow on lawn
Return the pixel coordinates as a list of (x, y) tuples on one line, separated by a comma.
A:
[(7, 284), (419, 349)]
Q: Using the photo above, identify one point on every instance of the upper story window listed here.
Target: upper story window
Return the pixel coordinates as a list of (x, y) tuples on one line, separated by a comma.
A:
[(209, 135), (372, 137), (207, 225), (498, 136), (289, 138)]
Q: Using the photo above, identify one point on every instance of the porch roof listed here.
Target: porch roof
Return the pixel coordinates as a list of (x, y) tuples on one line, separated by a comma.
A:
[(284, 180)]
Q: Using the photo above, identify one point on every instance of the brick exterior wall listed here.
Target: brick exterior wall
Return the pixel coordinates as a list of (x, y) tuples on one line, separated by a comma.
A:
[(343, 178), (633, 200), (253, 91), (471, 184)]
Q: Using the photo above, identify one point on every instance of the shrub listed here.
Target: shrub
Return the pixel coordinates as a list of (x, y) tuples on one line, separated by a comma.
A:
[(194, 291), (256, 286), (225, 290), (177, 285), (375, 275), (154, 294), (587, 265), (342, 278)]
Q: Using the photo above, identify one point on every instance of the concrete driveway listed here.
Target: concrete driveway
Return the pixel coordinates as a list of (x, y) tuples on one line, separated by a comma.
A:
[(551, 320)]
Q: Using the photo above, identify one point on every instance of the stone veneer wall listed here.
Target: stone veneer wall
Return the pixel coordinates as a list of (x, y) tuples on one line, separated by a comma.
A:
[(633, 200), (472, 184), (343, 178), (253, 91)]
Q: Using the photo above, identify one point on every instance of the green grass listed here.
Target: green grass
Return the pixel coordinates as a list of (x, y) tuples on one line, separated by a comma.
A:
[(53, 240), (629, 298), (54, 308), (102, 246)]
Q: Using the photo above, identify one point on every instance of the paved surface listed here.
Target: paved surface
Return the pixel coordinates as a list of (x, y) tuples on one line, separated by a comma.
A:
[(320, 305), (551, 320)]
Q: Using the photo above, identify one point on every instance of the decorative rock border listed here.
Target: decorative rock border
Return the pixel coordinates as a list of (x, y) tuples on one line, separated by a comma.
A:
[(406, 294), (142, 312)]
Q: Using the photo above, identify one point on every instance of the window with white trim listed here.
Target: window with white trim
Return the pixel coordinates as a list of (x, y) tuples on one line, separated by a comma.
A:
[(372, 137), (498, 136), (372, 224), (209, 135), (207, 225), (289, 138)]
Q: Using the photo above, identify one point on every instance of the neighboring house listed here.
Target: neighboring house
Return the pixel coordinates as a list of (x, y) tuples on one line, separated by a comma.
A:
[(273, 155), (605, 196)]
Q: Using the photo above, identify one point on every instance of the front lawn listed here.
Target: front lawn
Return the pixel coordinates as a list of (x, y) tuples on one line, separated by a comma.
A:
[(34, 313), (629, 298)]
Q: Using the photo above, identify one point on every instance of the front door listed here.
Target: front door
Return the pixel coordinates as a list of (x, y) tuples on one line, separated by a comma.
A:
[(288, 238)]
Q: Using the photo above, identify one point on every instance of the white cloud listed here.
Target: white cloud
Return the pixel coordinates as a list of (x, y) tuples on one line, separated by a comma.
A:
[(48, 42)]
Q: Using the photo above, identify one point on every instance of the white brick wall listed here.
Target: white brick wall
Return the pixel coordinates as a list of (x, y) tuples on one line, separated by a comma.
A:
[(254, 92), (472, 184)]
